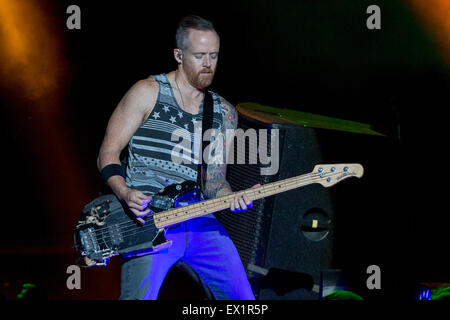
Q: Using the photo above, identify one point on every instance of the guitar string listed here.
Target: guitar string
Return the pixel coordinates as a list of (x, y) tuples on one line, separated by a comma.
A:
[(151, 226), (148, 227), (132, 223)]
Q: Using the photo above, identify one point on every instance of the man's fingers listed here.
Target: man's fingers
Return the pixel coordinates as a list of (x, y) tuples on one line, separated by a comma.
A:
[(135, 205), (137, 202), (143, 197), (140, 214), (138, 199), (145, 203), (246, 199), (141, 203), (140, 220), (237, 206), (242, 204)]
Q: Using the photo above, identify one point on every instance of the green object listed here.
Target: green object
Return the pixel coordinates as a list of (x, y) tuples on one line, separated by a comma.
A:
[(31, 291), (440, 293), (342, 295), (313, 120), (25, 288)]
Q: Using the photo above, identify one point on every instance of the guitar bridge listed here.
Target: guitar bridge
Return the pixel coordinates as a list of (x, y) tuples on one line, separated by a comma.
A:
[(91, 248), (88, 240)]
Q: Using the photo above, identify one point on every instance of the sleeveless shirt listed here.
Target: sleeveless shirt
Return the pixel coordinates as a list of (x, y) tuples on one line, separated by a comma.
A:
[(165, 148)]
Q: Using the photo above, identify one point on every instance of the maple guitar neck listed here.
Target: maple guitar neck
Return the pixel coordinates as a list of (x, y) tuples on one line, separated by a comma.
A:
[(327, 175)]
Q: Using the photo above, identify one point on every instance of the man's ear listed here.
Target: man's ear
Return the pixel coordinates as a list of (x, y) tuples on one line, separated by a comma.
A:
[(178, 53)]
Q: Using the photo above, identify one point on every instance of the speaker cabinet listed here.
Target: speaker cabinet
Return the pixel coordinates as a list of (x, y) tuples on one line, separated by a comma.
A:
[(287, 240), (281, 248)]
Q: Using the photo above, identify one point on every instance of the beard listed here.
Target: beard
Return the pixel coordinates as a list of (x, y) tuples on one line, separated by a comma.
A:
[(201, 79)]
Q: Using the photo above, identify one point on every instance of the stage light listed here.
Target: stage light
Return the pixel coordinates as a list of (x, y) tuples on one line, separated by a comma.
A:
[(434, 14), (342, 295), (30, 50), (423, 293), (34, 75)]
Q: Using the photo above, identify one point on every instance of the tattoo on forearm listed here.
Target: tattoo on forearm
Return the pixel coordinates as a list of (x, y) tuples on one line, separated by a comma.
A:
[(215, 180)]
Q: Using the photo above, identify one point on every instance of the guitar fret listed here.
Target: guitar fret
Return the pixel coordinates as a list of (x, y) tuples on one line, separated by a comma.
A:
[(205, 207)]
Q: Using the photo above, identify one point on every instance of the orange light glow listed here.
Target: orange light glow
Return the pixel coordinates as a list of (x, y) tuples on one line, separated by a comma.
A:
[(29, 51), (33, 69), (436, 16)]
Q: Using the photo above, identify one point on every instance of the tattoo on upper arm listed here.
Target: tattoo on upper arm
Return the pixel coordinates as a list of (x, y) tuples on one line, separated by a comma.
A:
[(229, 115), (216, 175)]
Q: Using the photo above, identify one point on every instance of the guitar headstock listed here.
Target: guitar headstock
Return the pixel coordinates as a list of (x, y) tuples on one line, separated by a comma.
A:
[(330, 174)]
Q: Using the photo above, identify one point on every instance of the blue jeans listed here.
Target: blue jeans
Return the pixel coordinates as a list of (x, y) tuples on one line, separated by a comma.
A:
[(204, 246)]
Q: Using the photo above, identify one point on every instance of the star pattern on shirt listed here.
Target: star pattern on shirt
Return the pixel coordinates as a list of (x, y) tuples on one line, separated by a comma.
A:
[(167, 113), (174, 116), (156, 115)]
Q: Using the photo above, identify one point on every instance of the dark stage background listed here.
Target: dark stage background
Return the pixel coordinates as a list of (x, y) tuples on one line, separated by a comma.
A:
[(59, 86)]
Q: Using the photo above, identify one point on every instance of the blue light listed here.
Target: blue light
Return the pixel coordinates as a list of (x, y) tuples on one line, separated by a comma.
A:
[(424, 294)]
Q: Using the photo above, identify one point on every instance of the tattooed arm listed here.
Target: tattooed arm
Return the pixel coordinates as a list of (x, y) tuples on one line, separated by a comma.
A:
[(216, 184)]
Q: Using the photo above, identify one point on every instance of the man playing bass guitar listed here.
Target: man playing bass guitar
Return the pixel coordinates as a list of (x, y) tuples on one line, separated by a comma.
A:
[(144, 122)]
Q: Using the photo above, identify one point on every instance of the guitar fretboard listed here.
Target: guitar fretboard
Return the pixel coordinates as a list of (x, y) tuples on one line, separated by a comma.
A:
[(177, 215)]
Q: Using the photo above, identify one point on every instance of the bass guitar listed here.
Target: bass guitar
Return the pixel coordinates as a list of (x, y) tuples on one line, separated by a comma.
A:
[(107, 228)]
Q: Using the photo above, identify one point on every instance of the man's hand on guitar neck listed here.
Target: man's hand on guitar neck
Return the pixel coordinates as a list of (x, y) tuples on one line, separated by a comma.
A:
[(240, 203)]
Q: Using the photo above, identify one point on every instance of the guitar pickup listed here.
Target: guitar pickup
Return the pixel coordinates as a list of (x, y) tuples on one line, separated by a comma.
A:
[(161, 202), (115, 234)]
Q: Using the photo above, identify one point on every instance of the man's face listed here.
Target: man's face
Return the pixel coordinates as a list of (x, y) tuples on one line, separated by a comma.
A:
[(200, 57)]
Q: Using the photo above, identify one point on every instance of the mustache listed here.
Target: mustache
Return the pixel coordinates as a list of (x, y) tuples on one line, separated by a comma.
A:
[(206, 70)]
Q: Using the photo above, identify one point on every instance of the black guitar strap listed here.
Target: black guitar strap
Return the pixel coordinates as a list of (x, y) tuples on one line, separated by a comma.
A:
[(207, 123)]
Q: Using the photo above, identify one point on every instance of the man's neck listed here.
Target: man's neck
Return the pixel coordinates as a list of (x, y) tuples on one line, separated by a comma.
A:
[(188, 90)]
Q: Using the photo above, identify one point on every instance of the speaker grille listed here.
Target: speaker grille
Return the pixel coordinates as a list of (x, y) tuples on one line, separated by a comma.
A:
[(273, 237), (249, 230)]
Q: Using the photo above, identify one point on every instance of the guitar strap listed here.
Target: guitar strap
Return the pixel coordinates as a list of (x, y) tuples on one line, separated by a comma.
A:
[(207, 123)]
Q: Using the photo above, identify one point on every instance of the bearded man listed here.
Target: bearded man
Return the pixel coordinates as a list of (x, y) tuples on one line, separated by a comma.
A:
[(144, 121)]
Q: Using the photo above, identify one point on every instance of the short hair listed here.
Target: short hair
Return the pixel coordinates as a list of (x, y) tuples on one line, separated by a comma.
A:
[(191, 22)]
